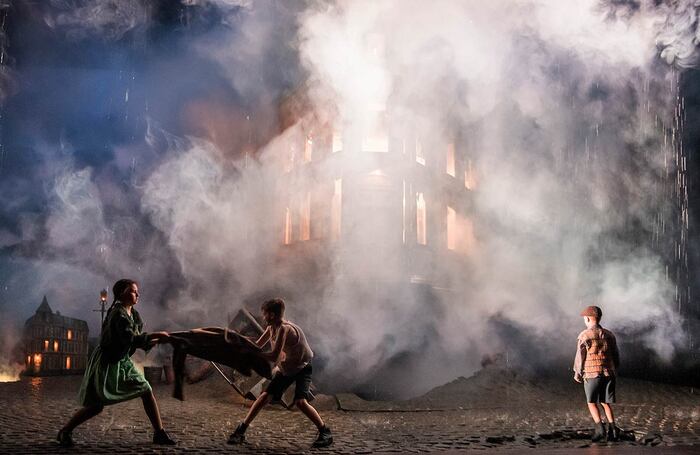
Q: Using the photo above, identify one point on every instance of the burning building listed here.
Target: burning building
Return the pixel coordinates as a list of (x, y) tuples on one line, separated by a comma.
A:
[(54, 344), (403, 200)]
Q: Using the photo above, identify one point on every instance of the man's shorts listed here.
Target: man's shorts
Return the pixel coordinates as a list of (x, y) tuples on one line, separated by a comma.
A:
[(600, 389), (280, 383)]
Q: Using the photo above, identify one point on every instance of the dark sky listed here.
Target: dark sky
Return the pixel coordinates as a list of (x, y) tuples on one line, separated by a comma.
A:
[(91, 98)]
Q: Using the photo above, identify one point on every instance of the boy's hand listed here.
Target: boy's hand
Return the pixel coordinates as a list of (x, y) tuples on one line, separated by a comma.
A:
[(577, 378)]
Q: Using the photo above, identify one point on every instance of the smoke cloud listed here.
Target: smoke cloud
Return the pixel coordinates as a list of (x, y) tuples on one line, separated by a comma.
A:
[(565, 109)]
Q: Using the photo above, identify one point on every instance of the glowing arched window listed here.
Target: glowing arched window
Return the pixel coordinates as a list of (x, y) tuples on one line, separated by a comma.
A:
[(69, 334), (337, 142), (305, 217), (451, 228), (55, 345), (336, 209), (68, 363), (469, 177), (46, 345), (308, 148), (420, 157), (287, 226), (450, 168), (421, 234)]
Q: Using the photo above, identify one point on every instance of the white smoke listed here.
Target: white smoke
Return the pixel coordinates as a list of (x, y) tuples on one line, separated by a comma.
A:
[(106, 19), (558, 103)]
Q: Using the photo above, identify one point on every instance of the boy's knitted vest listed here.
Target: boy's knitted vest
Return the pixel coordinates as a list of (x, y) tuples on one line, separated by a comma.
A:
[(599, 344)]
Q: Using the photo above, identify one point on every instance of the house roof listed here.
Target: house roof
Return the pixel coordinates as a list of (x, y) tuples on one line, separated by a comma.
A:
[(44, 307), (44, 315)]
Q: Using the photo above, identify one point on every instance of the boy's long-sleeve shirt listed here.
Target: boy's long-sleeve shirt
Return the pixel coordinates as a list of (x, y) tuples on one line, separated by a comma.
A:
[(596, 353)]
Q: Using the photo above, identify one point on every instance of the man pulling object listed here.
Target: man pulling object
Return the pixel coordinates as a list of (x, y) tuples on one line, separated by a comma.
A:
[(290, 354)]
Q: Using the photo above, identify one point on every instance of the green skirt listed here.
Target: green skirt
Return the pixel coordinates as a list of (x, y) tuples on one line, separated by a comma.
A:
[(107, 383)]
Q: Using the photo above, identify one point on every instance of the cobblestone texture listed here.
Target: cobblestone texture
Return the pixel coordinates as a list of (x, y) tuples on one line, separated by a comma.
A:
[(35, 408)]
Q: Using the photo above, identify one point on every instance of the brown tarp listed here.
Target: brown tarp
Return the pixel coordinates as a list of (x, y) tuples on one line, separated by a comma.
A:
[(219, 345)]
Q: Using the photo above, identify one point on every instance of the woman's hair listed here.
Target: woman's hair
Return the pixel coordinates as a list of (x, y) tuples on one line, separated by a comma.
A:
[(120, 287), (118, 290), (274, 306)]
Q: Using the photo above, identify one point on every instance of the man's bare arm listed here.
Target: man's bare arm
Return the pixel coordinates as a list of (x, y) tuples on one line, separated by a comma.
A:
[(280, 341), (264, 338)]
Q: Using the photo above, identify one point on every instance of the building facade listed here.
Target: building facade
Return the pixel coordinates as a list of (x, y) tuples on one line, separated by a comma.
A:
[(54, 344)]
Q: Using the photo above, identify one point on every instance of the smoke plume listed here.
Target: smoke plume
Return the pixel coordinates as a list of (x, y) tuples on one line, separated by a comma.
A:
[(565, 109)]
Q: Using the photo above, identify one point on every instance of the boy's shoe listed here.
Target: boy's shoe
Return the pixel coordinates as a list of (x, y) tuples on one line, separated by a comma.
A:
[(598, 432), (238, 435), (613, 432), (65, 438), (324, 439), (161, 437)]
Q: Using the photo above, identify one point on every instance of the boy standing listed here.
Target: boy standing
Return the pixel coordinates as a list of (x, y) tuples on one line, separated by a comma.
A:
[(597, 360), (292, 357)]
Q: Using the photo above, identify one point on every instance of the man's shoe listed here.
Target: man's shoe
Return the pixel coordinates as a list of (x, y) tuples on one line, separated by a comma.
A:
[(161, 437), (324, 439), (613, 432), (65, 438), (238, 435), (598, 432)]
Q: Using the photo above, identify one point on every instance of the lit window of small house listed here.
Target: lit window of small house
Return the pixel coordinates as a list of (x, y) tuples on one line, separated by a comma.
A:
[(46, 345), (69, 334), (67, 362), (55, 345)]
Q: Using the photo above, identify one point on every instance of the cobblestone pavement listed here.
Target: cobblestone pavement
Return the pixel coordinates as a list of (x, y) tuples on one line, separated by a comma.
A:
[(33, 409)]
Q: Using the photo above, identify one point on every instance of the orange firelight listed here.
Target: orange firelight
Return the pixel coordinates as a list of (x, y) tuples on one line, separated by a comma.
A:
[(287, 227), (336, 209), (451, 228), (421, 234), (450, 168), (305, 217)]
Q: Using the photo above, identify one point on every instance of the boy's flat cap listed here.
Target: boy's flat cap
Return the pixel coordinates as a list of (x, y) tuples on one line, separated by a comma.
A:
[(592, 312)]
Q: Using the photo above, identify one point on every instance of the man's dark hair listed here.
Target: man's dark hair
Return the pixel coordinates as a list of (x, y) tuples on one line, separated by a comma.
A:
[(274, 306)]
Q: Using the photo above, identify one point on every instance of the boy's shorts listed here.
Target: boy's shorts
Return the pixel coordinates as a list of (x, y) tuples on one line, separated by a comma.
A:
[(280, 382), (600, 389)]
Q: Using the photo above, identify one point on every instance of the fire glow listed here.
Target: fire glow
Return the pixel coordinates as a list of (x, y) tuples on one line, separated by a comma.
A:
[(10, 372)]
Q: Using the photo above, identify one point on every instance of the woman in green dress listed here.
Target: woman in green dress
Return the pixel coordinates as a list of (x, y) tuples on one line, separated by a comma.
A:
[(110, 376)]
